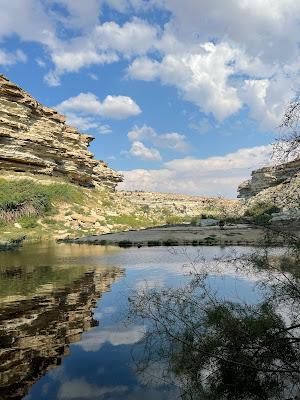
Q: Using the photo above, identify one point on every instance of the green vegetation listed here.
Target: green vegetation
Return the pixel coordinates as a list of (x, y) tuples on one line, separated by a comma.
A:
[(125, 243), (261, 212), (28, 221), (24, 198), (129, 220)]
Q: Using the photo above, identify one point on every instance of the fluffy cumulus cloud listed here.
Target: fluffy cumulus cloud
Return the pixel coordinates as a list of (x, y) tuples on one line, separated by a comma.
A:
[(146, 143), (115, 107), (223, 56), (171, 140), (208, 54), (85, 111), (211, 176), (139, 150), (202, 77)]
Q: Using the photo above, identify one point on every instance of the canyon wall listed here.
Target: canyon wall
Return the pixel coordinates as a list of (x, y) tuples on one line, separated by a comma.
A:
[(36, 139), (278, 184)]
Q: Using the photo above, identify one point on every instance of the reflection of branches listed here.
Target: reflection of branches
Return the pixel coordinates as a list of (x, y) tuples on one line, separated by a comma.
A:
[(218, 349)]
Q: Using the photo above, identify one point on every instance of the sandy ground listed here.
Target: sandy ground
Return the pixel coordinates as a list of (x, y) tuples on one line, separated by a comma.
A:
[(182, 235)]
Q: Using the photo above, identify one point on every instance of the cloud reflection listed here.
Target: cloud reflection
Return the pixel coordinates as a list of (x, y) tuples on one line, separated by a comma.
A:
[(114, 335)]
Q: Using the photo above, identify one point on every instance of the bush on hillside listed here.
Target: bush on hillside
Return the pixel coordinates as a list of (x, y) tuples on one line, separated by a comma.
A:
[(262, 212), (25, 198)]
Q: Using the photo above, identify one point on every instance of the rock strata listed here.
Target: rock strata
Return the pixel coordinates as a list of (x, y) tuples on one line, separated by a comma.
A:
[(36, 139), (279, 184)]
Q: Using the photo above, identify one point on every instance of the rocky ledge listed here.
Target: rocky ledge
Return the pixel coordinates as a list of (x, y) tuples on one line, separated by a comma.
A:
[(36, 139), (279, 184)]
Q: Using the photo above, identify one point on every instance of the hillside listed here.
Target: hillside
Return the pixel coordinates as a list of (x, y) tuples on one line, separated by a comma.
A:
[(52, 186), (41, 207)]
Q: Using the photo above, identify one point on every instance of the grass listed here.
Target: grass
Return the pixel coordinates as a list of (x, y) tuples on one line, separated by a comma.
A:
[(20, 200), (129, 220)]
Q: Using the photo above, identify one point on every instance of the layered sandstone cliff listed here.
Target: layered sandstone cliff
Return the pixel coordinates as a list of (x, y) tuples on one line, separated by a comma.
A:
[(36, 139), (278, 184)]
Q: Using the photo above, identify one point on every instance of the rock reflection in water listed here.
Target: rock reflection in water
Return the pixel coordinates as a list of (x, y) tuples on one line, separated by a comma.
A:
[(36, 328)]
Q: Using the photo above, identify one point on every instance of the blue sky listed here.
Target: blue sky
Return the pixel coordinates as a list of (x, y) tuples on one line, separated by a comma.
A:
[(180, 96)]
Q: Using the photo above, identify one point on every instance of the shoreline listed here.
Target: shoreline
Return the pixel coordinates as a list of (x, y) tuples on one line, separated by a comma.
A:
[(183, 235)]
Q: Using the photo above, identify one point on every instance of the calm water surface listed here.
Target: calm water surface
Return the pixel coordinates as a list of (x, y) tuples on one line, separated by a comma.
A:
[(63, 310)]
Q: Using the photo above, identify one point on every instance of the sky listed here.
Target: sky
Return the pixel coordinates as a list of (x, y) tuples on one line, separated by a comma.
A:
[(181, 96)]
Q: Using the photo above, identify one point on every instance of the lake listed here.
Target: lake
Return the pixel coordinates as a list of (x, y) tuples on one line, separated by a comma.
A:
[(64, 332)]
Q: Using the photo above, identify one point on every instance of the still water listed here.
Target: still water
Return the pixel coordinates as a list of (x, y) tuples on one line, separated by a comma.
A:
[(64, 332)]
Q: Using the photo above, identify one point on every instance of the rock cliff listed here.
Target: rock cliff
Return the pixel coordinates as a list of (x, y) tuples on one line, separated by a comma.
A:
[(278, 184), (36, 139)]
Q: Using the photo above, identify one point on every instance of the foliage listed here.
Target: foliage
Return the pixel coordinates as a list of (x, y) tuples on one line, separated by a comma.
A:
[(28, 221), (129, 220), (25, 198), (261, 212), (217, 349)]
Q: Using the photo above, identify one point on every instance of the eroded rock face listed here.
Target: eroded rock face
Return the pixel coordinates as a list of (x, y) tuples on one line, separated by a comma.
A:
[(36, 139), (279, 176)]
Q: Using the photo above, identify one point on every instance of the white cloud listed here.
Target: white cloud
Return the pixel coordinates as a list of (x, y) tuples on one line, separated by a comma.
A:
[(10, 58), (119, 107), (105, 129), (80, 122), (80, 15), (171, 140), (136, 37), (212, 176), (104, 44), (139, 150), (29, 20), (115, 107), (205, 49), (273, 24), (202, 77), (87, 103)]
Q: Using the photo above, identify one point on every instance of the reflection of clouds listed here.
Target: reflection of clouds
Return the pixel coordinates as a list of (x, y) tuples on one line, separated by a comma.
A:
[(155, 375), (175, 262), (139, 393), (110, 310), (114, 335), (78, 389), (151, 283)]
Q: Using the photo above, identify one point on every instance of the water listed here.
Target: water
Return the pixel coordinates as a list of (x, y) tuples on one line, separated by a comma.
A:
[(62, 313)]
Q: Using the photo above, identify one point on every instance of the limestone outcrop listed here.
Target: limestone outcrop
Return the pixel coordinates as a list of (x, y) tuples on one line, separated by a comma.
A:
[(278, 184), (36, 139), (267, 177)]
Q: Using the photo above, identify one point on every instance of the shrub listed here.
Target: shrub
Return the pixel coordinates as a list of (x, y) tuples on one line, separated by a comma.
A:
[(25, 198), (261, 208), (194, 221), (125, 243), (154, 243), (28, 221), (262, 212)]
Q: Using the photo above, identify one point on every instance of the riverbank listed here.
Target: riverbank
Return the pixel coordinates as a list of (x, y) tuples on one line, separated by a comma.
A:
[(184, 235)]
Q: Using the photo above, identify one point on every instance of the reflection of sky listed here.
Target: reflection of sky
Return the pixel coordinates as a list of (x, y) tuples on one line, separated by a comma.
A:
[(100, 366)]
